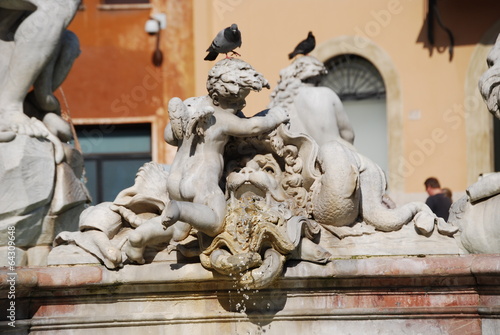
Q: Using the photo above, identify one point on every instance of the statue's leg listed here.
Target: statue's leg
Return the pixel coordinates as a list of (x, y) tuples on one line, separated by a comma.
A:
[(54, 73), (35, 40), (207, 217), (149, 233)]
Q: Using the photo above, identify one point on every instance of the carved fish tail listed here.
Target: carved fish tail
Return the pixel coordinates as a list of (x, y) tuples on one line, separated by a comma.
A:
[(373, 211)]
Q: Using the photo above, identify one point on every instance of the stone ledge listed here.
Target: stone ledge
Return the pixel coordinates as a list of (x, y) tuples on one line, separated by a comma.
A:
[(391, 295), (466, 266)]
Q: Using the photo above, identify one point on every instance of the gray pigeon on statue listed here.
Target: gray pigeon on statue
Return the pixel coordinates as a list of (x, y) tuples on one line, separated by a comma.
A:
[(226, 41), (304, 47)]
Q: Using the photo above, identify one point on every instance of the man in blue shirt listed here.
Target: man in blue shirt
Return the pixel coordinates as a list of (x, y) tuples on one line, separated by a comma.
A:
[(438, 202)]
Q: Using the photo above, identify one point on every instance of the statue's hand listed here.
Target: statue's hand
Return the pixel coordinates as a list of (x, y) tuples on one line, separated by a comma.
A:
[(10, 122), (279, 114)]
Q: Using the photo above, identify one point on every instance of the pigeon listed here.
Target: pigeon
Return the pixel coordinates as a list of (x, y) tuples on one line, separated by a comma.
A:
[(226, 41), (304, 47)]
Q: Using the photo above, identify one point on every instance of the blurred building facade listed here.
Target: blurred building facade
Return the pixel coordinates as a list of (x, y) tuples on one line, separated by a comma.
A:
[(116, 95), (407, 71)]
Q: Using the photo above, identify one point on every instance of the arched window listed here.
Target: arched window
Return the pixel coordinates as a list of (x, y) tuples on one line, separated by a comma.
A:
[(361, 88), (354, 78)]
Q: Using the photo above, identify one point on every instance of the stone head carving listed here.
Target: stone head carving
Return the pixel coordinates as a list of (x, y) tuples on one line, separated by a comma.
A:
[(302, 70), (489, 83), (233, 78)]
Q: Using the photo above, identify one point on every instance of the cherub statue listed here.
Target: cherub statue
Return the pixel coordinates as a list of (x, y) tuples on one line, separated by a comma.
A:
[(201, 127), (162, 207)]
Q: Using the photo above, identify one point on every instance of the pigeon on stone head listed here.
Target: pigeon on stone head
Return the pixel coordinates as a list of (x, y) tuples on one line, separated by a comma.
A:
[(304, 47), (226, 41)]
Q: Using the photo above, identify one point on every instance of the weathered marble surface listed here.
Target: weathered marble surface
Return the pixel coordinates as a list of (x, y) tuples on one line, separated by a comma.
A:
[(477, 213), (245, 195), (386, 295), (40, 198), (42, 193)]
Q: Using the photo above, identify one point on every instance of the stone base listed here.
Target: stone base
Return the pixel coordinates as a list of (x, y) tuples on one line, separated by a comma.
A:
[(376, 295)]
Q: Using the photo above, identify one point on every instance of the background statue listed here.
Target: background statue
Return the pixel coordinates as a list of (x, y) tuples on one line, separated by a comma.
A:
[(477, 213), (314, 110), (37, 51)]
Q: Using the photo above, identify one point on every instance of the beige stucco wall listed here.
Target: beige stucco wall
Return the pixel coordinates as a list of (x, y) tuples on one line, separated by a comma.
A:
[(428, 136)]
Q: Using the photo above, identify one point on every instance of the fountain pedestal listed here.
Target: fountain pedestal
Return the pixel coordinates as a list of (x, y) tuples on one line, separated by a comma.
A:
[(390, 295)]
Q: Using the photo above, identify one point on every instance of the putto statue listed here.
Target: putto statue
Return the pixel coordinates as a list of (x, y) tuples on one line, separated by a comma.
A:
[(244, 195), (201, 128), (40, 177)]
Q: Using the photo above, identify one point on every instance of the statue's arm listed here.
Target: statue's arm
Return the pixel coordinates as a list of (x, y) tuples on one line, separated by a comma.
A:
[(242, 127), (346, 131)]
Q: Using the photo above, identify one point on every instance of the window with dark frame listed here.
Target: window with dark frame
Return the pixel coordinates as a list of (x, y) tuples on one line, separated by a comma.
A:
[(112, 155)]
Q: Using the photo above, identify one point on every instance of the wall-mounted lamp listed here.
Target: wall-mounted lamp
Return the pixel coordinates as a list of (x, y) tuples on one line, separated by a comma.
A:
[(154, 26), (434, 14)]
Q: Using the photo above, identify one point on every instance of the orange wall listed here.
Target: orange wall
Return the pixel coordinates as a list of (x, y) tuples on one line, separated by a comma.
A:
[(114, 76)]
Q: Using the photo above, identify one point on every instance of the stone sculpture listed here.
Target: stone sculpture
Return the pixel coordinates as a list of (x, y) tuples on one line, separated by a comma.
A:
[(314, 110), (32, 131), (244, 194), (477, 212), (489, 83), (28, 25)]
